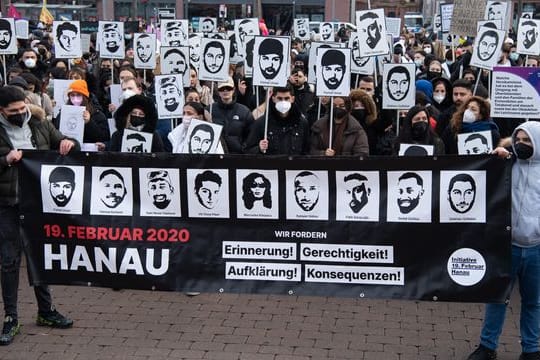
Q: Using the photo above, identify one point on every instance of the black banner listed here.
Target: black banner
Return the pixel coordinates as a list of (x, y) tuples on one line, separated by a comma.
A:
[(430, 228)]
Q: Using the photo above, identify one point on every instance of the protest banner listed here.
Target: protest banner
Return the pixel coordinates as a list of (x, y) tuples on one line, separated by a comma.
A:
[(465, 15), (515, 92)]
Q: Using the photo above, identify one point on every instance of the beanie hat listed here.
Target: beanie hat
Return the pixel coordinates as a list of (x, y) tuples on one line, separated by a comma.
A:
[(426, 87), (80, 87)]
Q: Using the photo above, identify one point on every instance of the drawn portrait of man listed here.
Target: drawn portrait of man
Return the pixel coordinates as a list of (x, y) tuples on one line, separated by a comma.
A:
[(174, 34), (358, 60), (160, 188), (213, 56), (247, 27), (476, 144), (333, 68), (410, 190), (207, 188), (528, 33), (208, 25), (302, 28), (6, 33), (487, 45), (496, 10), (67, 36), (306, 190), (113, 188), (194, 49), (270, 57), (201, 139), (175, 61), (256, 188), (327, 31), (145, 48), (136, 143), (61, 185), (112, 38), (357, 191), (371, 27), (461, 193), (170, 95), (398, 82)]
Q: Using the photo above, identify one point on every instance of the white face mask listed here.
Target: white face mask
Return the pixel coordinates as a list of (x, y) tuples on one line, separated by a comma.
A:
[(186, 120), (427, 50), (30, 63), (419, 63), (439, 98), (127, 94), (283, 106), (469, 117)]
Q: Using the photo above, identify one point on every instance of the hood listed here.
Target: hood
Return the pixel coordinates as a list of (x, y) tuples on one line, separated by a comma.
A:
[(448, 85), (37, 112), (532, 128), (137, 101)]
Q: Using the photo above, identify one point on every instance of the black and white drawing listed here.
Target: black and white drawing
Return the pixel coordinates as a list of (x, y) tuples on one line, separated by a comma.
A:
[(333, 68), (175, 60), (62, 189), (371, 27), (72, 122), (112, 192), (527, 37), (136, 141), (248, 56), (398, 86), (208, 193), (160, 192), (360, 65), (463, 196), (415, 150), (60, 96), (450, 40), (67, 39), (271, 66), (313, 51), (111, 40), (327, 31), (487, 48), (203, 137), (409, 196), (307, 194), (475, 143), (145, 51), (207, 25), (8, 41), (174, 32), (234, 52), (195, 49), (169, 96), (257, 194), (357, 196), (494, 24), (215, 60), (301, 28), (244, 28), (498, 10)]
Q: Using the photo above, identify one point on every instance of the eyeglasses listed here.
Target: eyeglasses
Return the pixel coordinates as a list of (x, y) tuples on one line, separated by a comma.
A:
[(257, 185), (225, 89)]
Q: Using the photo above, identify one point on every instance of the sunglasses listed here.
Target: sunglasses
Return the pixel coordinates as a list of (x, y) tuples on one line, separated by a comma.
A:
[(226, 89)]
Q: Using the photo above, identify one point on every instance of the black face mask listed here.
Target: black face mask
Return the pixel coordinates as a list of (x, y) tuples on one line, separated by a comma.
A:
[(418, 130), (359, 114), (339, 113), (433, 75), (17, 119), (523, 151), (136, 120)]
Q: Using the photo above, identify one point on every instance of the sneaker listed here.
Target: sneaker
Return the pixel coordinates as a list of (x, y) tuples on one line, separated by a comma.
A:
[(530, 356), (54, 319), (483, 353), (10, 329)]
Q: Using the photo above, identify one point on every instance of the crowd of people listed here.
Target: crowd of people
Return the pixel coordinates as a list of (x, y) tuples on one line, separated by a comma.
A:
[(450, 100)]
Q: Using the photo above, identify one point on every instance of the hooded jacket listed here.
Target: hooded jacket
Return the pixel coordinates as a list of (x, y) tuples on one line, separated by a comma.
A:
[(526, 191)]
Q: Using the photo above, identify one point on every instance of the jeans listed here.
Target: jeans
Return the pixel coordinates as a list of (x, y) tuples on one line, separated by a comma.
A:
[(10, 260), (526, 269)]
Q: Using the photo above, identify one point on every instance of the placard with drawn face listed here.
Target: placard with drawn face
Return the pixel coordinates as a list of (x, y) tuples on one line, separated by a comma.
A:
[(463, 196), (112, 191), (234, 53), (357, 195), (145, 51), (159, 192), (72, 122), (371, 27), (208, 193), (313, 55), (67, 39), (174, 32), (207, 25), (175, 60), (202, 137), (195, 49), (449, 40), (487, 48), (271, 63), (528, 42), (333, 72), (475, 143), (399, 86), (62, 189), (360, 65), (415, 150), (257, 194), (301, 28), (214, 64), (326, 30), (248, 56), (409, 196), (22, 28), (169, 96), (244, 28), (111, 40), (494, 24), (498, 10), (307, 194), (8, 38), (136, 141)]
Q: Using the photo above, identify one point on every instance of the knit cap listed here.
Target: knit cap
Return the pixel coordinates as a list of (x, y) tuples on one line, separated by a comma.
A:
[(80, 87)]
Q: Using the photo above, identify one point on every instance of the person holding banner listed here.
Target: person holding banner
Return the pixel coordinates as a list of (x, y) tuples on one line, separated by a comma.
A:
[(348, 136), (19, 130), (417, 130)]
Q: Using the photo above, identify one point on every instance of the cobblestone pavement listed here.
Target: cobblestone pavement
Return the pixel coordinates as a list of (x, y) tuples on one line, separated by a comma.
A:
[(129, 324)]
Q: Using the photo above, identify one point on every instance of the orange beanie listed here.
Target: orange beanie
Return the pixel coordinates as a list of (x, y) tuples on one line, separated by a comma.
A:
[(80, 87)]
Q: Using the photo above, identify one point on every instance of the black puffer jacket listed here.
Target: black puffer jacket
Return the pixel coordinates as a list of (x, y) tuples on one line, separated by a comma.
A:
[(236, 120)]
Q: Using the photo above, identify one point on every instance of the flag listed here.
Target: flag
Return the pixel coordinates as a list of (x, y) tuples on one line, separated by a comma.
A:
[(45, 16), (13, 13)]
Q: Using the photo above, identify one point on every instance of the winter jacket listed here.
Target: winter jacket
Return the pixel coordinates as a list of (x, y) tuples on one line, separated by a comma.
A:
[(236, 120), (355, 142)]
